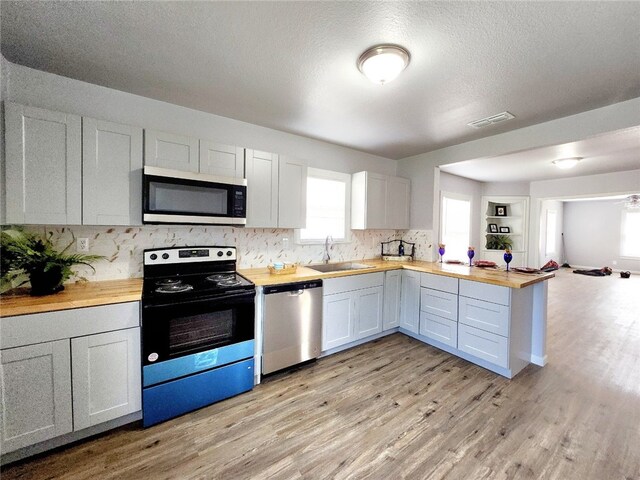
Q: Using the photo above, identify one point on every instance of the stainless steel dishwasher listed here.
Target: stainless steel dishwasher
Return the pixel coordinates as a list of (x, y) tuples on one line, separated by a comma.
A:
[(292, 329)]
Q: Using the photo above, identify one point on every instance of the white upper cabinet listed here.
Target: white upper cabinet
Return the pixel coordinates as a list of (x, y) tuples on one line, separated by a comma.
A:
[(43, 166), (276, 190), (379, 201), (111, 174), (292, 193), (398, 201), (222, 160), (262, 189), (167, 150)]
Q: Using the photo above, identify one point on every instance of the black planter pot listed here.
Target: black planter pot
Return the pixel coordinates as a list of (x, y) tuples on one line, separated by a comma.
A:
[(46, 283)]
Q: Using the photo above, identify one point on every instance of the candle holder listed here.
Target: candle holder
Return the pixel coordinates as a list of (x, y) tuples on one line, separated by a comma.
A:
[(441, 250), (471, 253)]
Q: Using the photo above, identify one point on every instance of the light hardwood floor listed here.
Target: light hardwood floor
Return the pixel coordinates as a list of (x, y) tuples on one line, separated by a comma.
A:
[(396, 408)]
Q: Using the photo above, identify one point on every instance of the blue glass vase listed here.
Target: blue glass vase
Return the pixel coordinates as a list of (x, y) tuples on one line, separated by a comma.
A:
[(471, 253), (441, 250)]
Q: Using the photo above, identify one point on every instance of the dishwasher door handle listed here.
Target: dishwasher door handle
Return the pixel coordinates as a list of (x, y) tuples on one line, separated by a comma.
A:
[(297, 293)]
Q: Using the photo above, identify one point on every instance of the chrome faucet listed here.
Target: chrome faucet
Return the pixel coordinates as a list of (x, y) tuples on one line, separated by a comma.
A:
[(327, 242)]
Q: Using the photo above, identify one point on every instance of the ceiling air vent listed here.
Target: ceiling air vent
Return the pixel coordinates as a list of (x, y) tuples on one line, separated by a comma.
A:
[(492, 120)]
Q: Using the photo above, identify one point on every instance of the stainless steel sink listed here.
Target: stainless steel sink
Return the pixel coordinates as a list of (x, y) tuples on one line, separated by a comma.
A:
[(339, 267)]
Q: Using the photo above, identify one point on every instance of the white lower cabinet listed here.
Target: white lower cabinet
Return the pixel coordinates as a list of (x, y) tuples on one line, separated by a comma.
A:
[(410, 301), (352, 309), (369, 311), (35, 394), (392, 292), (338, 319), (485, 345), (66, 371), (440, 329), (106, 376)]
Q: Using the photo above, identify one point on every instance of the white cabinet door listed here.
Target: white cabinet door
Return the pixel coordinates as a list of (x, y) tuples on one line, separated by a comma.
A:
[(35, 394), (410, 301), (398, 201), (338, 320), (376, 201), (438, 328), (43, 166), (392, 288), (168, 150), (262, 189), (106, 376), (292, 193), (222, 160), (111, 173), (369, 311)]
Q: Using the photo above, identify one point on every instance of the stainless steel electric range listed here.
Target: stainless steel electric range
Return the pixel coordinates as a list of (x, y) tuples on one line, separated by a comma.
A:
[(197, 330)]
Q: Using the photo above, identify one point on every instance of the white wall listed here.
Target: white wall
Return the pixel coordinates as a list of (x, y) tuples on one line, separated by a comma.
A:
[(505, 189), (4, 67), (557, 207), (592, 235), (420, 168), (40, 89)]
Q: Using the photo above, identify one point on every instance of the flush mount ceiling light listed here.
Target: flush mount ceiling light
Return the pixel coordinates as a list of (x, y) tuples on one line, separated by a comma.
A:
[(566, 163), (383, 63)]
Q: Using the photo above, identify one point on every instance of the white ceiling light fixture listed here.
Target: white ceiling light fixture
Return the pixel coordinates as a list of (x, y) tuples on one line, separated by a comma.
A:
[(383, 63), (567, 163)]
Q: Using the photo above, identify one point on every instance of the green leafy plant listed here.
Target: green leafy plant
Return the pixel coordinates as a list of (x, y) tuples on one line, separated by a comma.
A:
[(28, 256), (498, 242)]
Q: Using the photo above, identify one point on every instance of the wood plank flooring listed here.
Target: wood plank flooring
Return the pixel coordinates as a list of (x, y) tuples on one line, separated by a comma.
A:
[(396, 408)]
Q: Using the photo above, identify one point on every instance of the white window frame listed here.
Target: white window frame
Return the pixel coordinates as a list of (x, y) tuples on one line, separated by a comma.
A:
[(340, 177), (456, 196), (623, 222)]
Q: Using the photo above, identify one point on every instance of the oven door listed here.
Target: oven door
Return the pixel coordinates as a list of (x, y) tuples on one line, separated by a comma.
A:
[(179, 329), (192, 198)]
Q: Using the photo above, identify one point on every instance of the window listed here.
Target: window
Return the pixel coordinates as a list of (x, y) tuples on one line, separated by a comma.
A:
[(328, 207), (550, 244), (455, 225), (630, 235)]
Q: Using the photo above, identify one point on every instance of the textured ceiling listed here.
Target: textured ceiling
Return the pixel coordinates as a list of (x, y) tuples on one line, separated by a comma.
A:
[(612, 152), (292, 65)]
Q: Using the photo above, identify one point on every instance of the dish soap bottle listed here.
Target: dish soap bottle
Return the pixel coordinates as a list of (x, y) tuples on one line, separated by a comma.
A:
[(401, 249)]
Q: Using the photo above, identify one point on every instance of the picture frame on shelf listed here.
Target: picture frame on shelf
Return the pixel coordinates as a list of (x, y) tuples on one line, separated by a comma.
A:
[(501, 210), (493, 228), (505, 230)]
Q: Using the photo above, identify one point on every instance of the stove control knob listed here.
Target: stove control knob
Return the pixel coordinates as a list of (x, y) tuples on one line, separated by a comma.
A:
[(165, 256), (229, 253), (220, 253), (153, 256)]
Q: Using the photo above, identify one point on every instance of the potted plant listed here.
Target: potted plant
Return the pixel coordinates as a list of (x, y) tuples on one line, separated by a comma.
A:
[(498, 242), (28, 256)]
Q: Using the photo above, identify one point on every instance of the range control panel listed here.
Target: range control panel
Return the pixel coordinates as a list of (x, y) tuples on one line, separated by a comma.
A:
[(164, 256)]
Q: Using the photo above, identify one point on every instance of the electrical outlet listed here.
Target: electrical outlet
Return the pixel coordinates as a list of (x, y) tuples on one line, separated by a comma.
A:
[(285, 243), (82, 245)]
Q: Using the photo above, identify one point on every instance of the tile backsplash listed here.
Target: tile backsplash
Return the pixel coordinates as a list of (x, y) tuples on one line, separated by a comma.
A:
[(122, 247)]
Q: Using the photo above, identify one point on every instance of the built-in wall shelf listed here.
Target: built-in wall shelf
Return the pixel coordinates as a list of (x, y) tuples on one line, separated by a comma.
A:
[(510, 213)]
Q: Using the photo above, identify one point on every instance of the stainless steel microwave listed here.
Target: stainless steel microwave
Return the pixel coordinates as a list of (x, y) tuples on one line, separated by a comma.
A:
[(172, 196)]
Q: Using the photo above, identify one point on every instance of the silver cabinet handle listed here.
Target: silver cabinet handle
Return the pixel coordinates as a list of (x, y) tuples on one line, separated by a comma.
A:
[(296, 293)]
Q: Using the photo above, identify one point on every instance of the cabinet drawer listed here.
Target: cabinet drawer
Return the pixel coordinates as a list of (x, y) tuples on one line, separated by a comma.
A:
[(439, 303), (487, 316), (352, 282), (487, 346), (439, 282), (76, 322), (485, 291), (440, 329)]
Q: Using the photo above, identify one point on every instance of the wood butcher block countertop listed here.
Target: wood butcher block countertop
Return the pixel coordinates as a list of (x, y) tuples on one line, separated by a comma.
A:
[(74, 295), (261, 276)]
